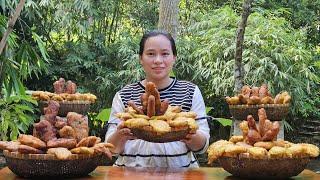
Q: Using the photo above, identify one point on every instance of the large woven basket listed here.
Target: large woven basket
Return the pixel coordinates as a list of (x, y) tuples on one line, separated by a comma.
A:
[(81, 107), (152, 136), (275, 112), (40, 165), (263, 168)]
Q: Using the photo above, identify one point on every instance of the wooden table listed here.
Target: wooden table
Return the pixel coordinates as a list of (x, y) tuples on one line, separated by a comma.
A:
[(115, 173)]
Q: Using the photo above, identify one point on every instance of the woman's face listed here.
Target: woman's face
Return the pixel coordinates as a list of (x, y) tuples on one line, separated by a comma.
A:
[(157, 58)]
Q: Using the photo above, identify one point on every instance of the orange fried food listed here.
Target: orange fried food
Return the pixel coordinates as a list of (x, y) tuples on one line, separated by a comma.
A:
[(44, 130), (88, 141), (217, 149), (277, 152), (71, 87), (282, 143), (67, 132), (257, 153), (233, 100), (253, 133), (104, 149), (24, 149), (244, 144), (189, 114), (245, 129), (310, 149), (262, 120), (31, 141), (59, 86), (11, 146), (82, 150), (266, 145), (296, 151), (135, 107), (160, 126), (233, 150), (136, 123), (272, 133), (124, 116), (60, 153), (236, 139), (79, 123), (62, 142)]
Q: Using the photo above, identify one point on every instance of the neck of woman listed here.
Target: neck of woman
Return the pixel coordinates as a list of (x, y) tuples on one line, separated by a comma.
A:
[(161, 84)]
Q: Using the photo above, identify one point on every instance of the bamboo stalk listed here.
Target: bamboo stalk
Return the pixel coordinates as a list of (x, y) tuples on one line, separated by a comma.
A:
[(11, 23)]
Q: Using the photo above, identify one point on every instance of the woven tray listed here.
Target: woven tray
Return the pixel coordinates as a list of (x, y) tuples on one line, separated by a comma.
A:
[(263, 168), (81, 107), (40, 165), (163, 138), (275, 112)]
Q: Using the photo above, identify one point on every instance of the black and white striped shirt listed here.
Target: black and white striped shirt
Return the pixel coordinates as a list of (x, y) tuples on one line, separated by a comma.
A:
[(172, 154)]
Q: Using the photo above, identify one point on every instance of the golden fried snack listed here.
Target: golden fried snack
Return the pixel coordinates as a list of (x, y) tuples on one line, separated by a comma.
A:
[(11, 146), (179, 122), (71, 87), (236, 139), (216, 150), (233, 100), (253, 100), (266, 145), (267, 100), (31, 141), (244, 128), (232, 150), (296, 151), (44, 97), (57, 97), (67, 132), (310, 149), (62, 142), (160, 126), (262, 120), (257, 153), (141, 116), (264, 92), (244, 144), (24, 149), (246, 90), (60, 152), (189, 114), (136, 123), (282, 143), (243, 98), (255, 91), (124, 116), (88, 141), (82, 150), (277, 152), (79, 123)]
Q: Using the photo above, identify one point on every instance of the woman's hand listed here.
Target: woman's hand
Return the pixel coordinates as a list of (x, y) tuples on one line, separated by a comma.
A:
[(124, 133), (120, 137), (195, 141)]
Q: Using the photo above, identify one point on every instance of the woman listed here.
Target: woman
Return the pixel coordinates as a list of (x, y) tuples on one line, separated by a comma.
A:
[(157, 55)]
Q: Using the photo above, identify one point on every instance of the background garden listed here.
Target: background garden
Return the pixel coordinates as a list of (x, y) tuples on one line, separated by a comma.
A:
[(95, 44)]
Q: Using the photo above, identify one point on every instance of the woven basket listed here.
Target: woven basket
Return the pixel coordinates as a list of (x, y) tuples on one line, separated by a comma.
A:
[(275, 112), (159, 138), (263, 168), (81, 107), (40, 165)]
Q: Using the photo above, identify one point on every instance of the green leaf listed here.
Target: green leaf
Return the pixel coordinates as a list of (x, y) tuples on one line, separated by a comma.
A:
[(224, 122), (104, 115)]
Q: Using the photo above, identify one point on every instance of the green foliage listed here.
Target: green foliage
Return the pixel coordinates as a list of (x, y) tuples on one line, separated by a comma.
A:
[(16, 115), (274, 53), (20, 60)]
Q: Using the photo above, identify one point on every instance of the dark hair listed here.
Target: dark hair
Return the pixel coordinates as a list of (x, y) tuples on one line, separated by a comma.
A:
[(156, 33)]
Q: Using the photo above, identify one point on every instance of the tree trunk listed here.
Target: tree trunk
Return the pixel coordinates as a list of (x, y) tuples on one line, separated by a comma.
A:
[(169, 16), (238, 67)]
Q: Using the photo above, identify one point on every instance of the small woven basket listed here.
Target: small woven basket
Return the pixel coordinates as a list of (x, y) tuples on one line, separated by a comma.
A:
[(152, 136), (40, 165), (81, 107), (275, 112), (263, 168)]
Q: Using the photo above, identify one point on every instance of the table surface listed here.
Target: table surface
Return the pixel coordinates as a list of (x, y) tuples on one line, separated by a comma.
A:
[(115, 173)]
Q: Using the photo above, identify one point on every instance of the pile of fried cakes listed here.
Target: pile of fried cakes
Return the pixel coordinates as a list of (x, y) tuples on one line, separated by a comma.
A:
[(59, 136), (260, 142)]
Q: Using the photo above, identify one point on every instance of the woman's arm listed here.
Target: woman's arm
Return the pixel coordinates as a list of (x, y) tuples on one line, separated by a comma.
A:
[(199, 141), (117, 135)]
